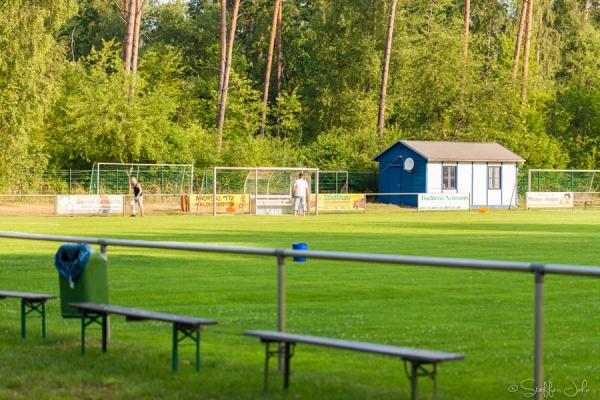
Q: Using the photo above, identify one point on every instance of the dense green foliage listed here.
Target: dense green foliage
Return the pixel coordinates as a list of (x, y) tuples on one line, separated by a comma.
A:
[(65, 103), (486, 315)]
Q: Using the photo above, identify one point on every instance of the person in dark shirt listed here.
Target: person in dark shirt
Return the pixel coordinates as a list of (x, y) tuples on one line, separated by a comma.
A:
[(138, 197)]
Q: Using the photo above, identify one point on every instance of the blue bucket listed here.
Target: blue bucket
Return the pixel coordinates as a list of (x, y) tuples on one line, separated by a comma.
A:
[(300, 246)]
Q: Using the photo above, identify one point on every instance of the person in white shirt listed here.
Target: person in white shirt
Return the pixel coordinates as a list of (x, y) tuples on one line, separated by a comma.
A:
[(300, 192)]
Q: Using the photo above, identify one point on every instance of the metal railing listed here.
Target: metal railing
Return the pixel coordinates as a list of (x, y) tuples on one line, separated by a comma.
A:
[(539, 270)]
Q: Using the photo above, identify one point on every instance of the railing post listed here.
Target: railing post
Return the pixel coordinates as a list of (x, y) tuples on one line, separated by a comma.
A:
[(538, 372), (281, 303), (106, 322)]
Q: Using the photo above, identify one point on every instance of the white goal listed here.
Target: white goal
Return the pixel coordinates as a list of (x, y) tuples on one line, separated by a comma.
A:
[(113, 178), (253, 190)]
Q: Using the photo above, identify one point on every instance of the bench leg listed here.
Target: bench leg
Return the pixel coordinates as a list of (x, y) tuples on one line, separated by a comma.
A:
[(192, 333), (285, 351), (267, 357), (433, 376), (175, 358), (23, 320), (82, 332), (44, 320), (417, 370), (286, 366), (414, 381), (28, 307), (89, 319), (104, 332), (198, 351)]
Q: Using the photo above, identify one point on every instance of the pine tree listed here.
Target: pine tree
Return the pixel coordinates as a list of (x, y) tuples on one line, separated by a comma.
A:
[(265, 99), (386, 67)]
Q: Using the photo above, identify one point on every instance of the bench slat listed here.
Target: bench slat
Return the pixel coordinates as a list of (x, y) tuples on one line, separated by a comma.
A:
[(26, 295), (138, 314), (403, 352)]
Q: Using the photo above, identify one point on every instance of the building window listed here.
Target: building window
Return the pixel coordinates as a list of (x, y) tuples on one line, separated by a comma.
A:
[(449, 177), (494, 178)]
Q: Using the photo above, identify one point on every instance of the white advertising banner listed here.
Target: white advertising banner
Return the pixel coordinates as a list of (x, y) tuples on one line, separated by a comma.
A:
[(273, 204), (89, 205), (444, 201), (550, 200)]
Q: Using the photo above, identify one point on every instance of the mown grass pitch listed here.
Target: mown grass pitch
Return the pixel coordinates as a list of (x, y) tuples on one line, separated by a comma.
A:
[(488, 316)]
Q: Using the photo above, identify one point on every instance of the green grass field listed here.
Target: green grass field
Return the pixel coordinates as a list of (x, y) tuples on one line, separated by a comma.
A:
[(486, 315)]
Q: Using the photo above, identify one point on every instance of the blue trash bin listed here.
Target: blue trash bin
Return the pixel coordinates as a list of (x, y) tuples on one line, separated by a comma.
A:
[(300, 246)]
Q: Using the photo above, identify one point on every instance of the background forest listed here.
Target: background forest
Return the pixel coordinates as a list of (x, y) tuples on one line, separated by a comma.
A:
[(189, 82)]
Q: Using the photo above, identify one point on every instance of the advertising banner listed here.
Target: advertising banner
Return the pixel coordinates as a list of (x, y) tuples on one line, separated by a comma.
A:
[(444, 201), (89, 205), (550, 200), (339, 202), (274, 204), (226, 203)]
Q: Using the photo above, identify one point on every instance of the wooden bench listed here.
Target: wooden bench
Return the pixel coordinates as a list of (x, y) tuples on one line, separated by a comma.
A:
[(30, 302), (418, 359), (188, 327)]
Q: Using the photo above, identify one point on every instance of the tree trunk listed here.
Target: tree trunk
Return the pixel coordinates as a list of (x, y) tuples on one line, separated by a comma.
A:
[(265, 98), (125, 16), (279, 69), (586, 10), (466, 45), (538, 38), (225, 87), (528, 29), (136, 35), (124, 10), (136, 44), (223, 58), (515, 67), (386, 67), (129, 35)]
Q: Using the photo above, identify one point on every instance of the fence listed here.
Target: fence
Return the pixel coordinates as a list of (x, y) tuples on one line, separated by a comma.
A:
[(45, 204), (539, 270)]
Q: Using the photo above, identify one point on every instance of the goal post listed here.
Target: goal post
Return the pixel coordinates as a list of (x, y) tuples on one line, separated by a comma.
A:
[(113, 178), (257, 190)]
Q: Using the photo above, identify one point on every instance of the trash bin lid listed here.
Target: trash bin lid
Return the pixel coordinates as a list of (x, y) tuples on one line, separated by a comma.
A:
[(71, 259)]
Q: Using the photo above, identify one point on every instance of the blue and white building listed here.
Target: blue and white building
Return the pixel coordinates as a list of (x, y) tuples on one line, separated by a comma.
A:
[(487, 171)]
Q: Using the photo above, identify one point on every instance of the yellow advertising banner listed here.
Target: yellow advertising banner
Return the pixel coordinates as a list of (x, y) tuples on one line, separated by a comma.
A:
[(226, 203), (339, 202)]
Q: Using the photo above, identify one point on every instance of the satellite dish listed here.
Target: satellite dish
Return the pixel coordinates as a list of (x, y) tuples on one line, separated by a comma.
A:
[(409, 164)]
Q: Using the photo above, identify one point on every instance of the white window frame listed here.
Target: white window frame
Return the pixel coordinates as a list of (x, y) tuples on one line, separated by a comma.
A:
[(447, 180), (494, 181)]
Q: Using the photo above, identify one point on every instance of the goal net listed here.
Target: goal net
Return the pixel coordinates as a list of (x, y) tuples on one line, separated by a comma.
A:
[(333, 181), (252, 190), (113, 178)]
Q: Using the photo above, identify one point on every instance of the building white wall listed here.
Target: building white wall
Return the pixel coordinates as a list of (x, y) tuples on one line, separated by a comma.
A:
[(479, 195), (509, 179), (473, 178), (434, 178), (464, 178)]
